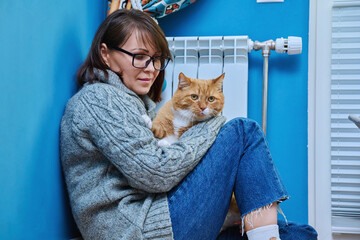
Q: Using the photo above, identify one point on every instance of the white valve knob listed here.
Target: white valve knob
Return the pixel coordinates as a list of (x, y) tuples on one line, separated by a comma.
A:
[(292, 45)]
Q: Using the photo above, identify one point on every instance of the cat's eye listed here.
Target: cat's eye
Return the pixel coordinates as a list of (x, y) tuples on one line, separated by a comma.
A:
[(211, 99), (194, 97)]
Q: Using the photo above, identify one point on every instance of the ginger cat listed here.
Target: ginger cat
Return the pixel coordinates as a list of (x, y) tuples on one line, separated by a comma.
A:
[(194, 101)]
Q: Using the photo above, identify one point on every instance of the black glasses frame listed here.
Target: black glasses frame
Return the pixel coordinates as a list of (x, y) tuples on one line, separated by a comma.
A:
[(151, 59)]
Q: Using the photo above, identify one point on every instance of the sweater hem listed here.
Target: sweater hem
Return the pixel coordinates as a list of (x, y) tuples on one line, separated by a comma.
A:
[(157, 224)]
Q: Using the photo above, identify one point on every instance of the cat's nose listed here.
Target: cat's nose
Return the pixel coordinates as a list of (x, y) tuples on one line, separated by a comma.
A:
[(202, 108)]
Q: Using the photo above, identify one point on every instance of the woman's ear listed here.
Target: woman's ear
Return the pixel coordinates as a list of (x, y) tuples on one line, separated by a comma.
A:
[(105, 53)]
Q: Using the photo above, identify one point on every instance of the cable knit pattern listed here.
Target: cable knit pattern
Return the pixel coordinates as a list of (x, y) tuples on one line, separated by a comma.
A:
[(117, 176)]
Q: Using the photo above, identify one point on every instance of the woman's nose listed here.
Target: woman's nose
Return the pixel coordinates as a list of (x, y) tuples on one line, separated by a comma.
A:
[(150, 67)]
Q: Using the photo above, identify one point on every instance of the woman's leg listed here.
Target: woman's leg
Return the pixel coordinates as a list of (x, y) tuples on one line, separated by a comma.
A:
[(238, 161), (288, 231), (268, 217)]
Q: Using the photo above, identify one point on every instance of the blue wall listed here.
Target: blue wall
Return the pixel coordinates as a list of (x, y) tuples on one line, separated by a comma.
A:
[(42, 43), (287, 93)]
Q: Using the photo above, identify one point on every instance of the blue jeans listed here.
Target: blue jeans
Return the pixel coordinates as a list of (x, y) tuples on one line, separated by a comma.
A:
[(239, 161)]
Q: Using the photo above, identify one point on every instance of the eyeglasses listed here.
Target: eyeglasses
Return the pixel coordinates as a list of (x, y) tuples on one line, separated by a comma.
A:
[(141, 60)]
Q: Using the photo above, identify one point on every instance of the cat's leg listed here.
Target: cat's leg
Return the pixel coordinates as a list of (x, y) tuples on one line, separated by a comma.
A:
[(147, 120), (158, 130), (167, 141)]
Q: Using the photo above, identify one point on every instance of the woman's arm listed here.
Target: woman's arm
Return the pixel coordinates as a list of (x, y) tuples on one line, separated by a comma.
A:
[(123, 137)]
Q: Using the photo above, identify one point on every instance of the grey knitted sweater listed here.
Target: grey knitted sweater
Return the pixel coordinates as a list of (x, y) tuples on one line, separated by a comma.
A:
[(116, 175)]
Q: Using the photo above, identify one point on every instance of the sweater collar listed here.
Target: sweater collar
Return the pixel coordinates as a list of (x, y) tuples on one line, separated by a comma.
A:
[(114, 79)]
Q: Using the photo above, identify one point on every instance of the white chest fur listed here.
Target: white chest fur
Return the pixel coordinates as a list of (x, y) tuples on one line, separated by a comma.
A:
[(182, 118)]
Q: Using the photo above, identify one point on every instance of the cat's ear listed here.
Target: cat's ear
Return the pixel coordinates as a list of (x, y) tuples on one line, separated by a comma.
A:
[(183, 81), (218, 81)]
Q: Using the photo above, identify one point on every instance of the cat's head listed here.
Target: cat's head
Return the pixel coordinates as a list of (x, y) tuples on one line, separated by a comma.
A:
[(201, 98)]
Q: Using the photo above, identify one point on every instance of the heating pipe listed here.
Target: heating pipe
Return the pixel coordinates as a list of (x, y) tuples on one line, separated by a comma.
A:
[(291, 46)]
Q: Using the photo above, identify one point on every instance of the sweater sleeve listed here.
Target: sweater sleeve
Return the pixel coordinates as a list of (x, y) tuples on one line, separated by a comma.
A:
[(118, 131)]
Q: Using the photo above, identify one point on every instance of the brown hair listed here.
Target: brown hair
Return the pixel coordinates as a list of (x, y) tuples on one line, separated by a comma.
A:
[(115, 31)]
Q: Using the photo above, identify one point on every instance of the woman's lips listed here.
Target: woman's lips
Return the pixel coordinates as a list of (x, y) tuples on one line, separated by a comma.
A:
[(145, 79)]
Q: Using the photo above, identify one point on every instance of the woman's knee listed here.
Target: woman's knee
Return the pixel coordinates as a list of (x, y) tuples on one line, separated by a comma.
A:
[(243, 125), (246, 122)]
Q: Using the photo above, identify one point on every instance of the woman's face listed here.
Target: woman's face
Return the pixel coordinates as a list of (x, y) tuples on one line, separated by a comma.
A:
[(136, 79)]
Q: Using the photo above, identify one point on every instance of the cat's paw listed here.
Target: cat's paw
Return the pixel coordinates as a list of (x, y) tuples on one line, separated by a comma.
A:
[(147, 120), (163, 143), (168, 141)]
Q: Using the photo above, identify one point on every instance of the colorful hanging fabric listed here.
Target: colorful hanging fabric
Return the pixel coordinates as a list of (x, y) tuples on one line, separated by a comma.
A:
[(155, 8)]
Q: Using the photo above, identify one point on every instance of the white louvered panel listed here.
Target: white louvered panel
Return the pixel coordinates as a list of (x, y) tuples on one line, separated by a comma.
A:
[(346, 35), (345, 181), (346, 87), (339, 116), (345, 100), (346, 154), (345, 77), (342, 126), (348, 189), (346, 198), (345, 66), (349, 24), (351, 9), (345, 56), (345, 172), (343, 206), (345, 94), (345, 45), (344, 135), (346, 163), (350, 199), (345, 106)]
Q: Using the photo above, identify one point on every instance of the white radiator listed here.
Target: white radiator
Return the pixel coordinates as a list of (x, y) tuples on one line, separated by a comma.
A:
[(209, 57)]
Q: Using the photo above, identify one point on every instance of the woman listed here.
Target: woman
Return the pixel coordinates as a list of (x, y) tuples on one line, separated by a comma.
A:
[(123, 186)]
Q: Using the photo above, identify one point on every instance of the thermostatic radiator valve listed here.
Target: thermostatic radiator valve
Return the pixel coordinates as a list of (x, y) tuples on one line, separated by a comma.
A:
[(290, 45)]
